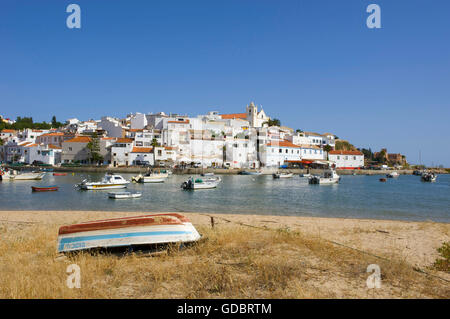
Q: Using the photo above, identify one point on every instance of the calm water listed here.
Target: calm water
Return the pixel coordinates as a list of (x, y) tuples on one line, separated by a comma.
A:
[(405, 198)]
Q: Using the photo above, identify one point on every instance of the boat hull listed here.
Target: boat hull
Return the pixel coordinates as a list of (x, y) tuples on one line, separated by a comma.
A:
[(44, 189), (141, 230), (124, 195), (100, 187), (27, 176)]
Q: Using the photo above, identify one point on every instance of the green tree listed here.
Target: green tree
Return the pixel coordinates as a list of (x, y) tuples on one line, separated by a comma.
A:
[(94, 149), (155, 142), (273, 122), (327, 148)]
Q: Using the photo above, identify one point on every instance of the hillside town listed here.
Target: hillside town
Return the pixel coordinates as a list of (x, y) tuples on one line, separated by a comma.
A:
[(240, 140)]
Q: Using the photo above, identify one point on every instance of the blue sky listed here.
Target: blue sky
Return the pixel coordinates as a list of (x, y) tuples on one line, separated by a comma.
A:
[(312, 64)]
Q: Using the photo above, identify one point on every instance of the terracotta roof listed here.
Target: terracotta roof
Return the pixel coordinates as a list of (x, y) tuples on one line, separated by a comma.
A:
[(180, 122), (124, 140), (310, 146), (142, 150), (234, 116), (31, 145), (52, 134), (170, 148), (345, 153), (79, 139), (8, 131), (282, 144), (54, 147), (108, 138), (136, 130)]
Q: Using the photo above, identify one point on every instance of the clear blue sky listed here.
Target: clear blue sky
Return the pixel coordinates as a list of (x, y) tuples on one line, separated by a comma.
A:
[(312, 64)]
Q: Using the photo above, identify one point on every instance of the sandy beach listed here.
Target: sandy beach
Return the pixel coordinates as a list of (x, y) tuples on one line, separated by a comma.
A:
[(351, 241)]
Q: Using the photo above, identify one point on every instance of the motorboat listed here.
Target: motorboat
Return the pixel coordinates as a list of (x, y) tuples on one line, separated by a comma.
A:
[(250, 173), (428, 177), (392, 175), (329, 177), (199, 183), (44, 188), (124, 195), (151, 177), (109, 181), (282, 175), (137, 231)]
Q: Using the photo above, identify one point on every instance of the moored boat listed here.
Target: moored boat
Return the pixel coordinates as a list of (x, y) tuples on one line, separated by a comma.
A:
[(329, 177), (151, 177), (428, 177), (59, 174), (14, 176), (129, 231), (124, 195), (109, 181), (250, 173), (393, 175), (199, 183), (282, 175), (44, 188)]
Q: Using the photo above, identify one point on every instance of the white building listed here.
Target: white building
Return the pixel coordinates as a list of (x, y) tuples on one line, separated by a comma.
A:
[(46, 154), (346, 159), (120, 151), (111, 126), (138, 121)]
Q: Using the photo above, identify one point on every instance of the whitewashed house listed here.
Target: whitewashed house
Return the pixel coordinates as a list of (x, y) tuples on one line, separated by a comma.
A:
[(120, 152), (347, 159)]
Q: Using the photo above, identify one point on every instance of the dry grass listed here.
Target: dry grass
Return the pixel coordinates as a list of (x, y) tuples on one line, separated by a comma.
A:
[(230, 262)]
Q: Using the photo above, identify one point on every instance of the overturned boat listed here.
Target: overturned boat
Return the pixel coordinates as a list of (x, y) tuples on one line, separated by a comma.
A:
[(128, 231)]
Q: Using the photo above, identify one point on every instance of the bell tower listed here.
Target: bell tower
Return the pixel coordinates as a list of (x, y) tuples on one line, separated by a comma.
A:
[(252, 113)]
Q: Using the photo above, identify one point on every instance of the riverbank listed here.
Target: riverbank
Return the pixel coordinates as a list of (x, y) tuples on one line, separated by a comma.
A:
[(242, 256), (223, 171)]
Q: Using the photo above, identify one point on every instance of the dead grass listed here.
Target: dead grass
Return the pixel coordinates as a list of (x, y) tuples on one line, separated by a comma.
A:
[(230, 262)]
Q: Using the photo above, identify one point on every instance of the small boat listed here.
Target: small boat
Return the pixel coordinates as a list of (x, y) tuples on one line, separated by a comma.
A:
[(124, 195), (25, 176), (329, 177), (428, 177), (305, 175), (250, 173), (112, 181), (128, 231), (59, 174), (383, 179), (151, 177), (44, 189), (392, 175), (199, 183), (47, 169), (282, 175), (207, 174)]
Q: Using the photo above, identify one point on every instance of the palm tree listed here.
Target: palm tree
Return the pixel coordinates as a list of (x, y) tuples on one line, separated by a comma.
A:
[(327, 148)]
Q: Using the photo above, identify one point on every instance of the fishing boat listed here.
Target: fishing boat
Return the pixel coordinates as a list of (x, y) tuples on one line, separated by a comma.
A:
[(44, 188), (59, 174), (329, 177), (428, 177), (282, 175), (199, 183), (109, 181), (250, 173), (124, 195), (151, 177), (15, 176), (392, 175), (128, 231)]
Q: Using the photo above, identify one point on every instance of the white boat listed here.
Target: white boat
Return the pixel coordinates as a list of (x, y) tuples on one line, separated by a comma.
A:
[(428, 177), (125, 232), (305, 175), (207, 174), (151, 178), (15, 176), (199, 183), (329, 177), (250, 173), (124, 195), (109, 181), (282, 175), (393, 175)]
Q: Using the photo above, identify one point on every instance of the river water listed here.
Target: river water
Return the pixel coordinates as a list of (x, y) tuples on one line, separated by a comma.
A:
[(403, 198)]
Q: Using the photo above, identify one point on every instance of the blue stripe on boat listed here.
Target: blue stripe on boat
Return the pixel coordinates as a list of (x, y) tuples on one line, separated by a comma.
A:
[(113, 236)]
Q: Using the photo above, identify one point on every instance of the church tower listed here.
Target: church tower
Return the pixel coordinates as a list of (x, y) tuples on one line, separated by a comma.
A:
[(252, 113)]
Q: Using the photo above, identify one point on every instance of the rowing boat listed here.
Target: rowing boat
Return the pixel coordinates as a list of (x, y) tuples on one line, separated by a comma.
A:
[(44, 189), (128, 231)]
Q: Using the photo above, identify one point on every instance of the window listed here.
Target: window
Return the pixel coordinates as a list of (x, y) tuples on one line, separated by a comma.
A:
[(281, 150), (338, 157), (354, 158), (70, 149), (286, 151), (273, 150)]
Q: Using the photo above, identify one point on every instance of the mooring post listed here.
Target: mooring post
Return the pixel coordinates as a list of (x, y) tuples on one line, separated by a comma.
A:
[(212, 222)]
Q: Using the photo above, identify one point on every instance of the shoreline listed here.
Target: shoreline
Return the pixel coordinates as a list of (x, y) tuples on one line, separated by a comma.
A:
[(415, 241)]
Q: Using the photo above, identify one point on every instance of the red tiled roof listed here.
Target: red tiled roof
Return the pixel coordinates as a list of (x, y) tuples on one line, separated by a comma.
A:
[(180, 122), (8, 131), (234, 116), (282, 144), (79, 139), (52, 134), (136, 130), (30, 145), (54, 147), (124, 140), (345, 153), (142, 150), (169, 148)]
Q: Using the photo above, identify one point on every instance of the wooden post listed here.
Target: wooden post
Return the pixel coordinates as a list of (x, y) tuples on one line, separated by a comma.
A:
[(212, 222)]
